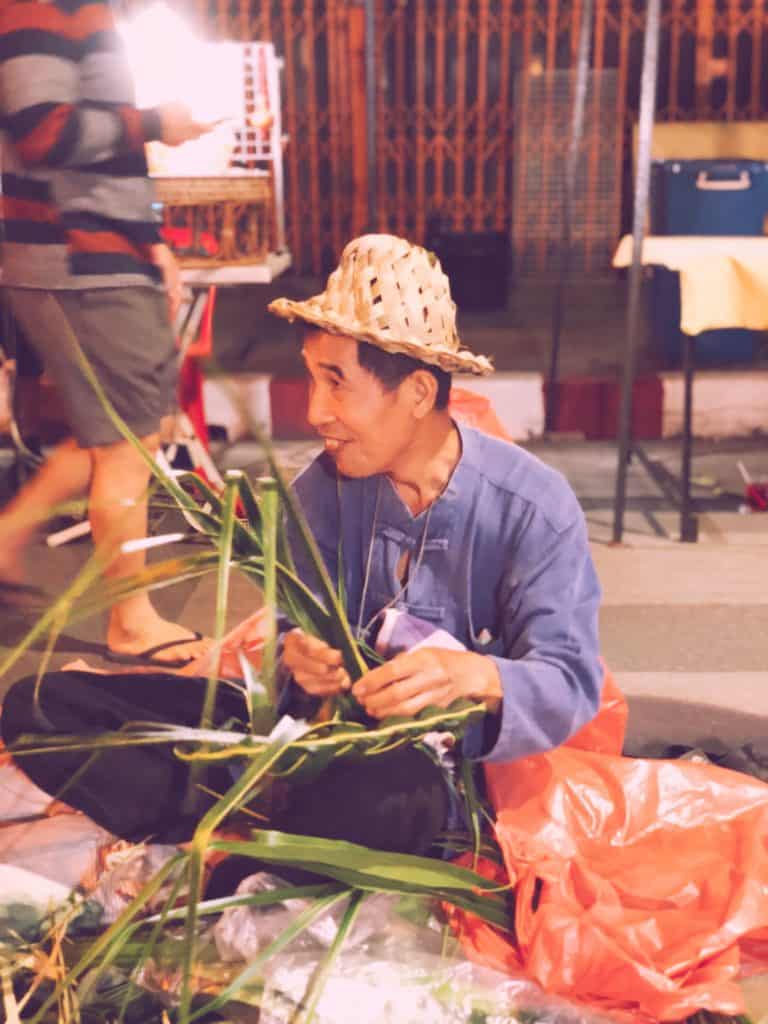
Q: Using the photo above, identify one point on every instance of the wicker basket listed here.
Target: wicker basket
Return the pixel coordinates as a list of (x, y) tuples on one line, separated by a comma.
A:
[(228, 219)]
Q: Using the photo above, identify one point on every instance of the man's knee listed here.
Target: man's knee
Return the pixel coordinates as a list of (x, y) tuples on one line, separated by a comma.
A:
[(20, 712), (396, 801)]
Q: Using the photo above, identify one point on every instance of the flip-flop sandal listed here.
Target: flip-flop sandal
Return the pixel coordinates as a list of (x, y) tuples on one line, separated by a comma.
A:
[(148, 657)]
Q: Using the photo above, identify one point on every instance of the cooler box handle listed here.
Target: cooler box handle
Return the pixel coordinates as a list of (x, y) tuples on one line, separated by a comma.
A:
[(707, 184)]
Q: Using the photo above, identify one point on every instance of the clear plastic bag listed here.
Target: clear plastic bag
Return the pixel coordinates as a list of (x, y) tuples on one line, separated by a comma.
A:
[(128, 869), (243, 932), (45, 838), (390, 970), (412, 987)]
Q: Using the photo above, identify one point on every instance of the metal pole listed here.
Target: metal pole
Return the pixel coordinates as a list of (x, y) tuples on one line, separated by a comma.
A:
[(689, 523), (571, 169), (642, 192), (370, 103)]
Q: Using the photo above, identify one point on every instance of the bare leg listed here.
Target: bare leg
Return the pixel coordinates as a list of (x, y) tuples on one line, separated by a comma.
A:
[(65, 474), (118, 513)]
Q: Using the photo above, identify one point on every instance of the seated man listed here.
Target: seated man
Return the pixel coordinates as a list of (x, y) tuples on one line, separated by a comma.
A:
[(458, 530), (469, 532)]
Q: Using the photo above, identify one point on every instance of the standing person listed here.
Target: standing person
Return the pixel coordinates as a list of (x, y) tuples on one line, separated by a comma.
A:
[(455, 531), (82, 257)]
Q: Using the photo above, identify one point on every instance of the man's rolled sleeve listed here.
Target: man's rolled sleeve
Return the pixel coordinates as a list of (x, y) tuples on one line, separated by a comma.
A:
[(550, 672)]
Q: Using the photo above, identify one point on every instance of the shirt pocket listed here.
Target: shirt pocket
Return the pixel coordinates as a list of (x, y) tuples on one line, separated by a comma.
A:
[(430, 612)]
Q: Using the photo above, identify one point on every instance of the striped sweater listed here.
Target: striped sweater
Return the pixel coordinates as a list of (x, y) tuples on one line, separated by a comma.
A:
[(77, 199)]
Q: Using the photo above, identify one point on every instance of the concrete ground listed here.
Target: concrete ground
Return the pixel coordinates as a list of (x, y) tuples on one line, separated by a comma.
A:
[(683, 626)]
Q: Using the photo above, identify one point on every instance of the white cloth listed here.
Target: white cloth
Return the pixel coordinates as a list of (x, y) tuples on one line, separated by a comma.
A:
[(723, 279)]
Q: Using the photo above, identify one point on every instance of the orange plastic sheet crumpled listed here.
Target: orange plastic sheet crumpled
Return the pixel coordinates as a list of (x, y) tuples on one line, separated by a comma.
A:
[(476, 411), (641, 886)]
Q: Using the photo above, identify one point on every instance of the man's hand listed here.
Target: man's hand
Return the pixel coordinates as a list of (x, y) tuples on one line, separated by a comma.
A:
[(174, 287), (177, 124), (430, 676), (317, 668)]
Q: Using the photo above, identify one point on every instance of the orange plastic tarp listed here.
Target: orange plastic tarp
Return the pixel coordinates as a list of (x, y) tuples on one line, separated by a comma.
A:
[(641, 886), (476, 411)]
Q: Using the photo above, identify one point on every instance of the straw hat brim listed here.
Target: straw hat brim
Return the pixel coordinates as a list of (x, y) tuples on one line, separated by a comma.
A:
[(310, 311)]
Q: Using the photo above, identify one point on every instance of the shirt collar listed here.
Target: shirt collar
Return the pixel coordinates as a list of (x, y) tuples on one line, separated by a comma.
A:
[(395, 513)]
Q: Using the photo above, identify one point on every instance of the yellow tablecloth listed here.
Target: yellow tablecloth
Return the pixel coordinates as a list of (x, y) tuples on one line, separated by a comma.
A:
[(723, 280)]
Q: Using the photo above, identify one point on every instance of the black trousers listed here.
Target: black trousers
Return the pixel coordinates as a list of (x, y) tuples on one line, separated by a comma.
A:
[(396, 801)]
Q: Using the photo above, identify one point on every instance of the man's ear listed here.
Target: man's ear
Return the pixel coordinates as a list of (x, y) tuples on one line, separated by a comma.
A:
[(423, 387)]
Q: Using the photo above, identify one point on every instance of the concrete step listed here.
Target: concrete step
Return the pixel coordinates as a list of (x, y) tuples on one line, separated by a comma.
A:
[(690, 708)]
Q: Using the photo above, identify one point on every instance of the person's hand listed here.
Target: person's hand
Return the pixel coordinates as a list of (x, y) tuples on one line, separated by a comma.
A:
[(316, 667), (429, 676), (174, 286), (177, 124)]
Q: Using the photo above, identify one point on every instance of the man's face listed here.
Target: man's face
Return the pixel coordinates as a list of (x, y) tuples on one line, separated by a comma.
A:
[(365, 428)]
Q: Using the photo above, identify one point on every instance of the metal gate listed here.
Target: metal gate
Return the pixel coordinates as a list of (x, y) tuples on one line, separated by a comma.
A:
[(447, 132)]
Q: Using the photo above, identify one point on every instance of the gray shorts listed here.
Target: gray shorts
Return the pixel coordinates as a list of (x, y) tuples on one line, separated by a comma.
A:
[(125, 334)]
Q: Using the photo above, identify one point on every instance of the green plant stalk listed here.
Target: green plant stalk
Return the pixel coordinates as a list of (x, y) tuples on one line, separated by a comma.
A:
[(472, 804), (342, 633), (187, 504), (295, 928), (57, 624), (322, 742), (295, 598), (207, 493), (338, 623), (270, 513), (252, 509), (228, 506), (356, 736), (182, 498), (114, 934), (306, 1012), (29, 744), (373, 870), (129, 961), (255, 694), (229, 503), (337, 616), (321, 738), (255, 899), (148, 947), (83, 580), (201, 840), (154, 577)]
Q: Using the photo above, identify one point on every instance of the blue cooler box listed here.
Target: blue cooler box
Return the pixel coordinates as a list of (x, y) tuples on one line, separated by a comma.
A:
[(704, 197)]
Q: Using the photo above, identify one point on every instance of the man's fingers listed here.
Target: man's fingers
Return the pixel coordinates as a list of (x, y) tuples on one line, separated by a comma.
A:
[(312, 647), (405, 688), (301, 665), (409, 698), (385, 675), (320, 686), (317, 668)]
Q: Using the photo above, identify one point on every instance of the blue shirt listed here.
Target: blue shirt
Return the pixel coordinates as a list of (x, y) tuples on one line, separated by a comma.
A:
[(500, 560)]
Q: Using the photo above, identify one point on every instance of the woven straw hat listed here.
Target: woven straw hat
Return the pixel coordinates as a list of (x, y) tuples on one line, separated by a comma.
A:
[(393, 295)]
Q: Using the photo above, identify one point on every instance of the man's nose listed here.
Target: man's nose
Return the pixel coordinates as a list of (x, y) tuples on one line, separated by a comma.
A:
[(318, 413)]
